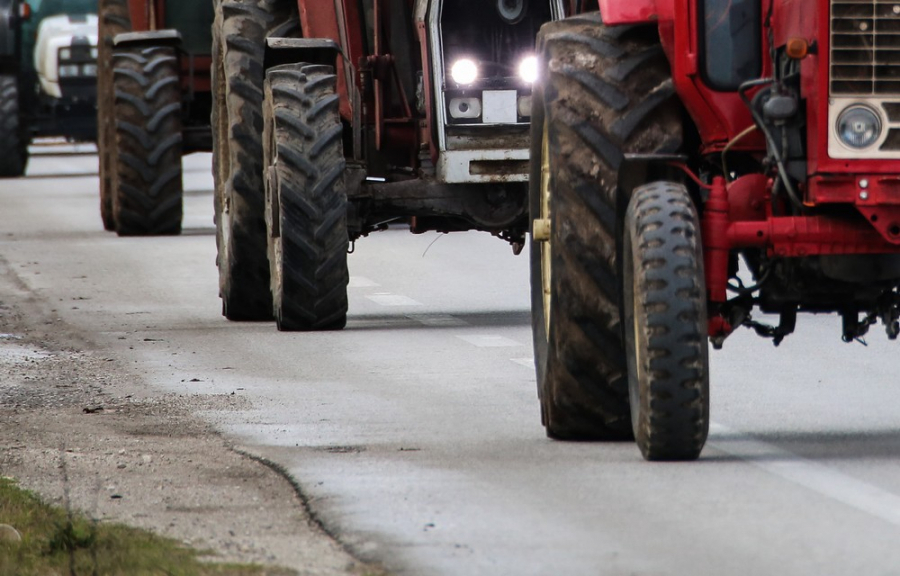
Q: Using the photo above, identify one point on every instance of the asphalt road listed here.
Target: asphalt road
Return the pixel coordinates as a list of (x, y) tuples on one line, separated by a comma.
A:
[(415, 432)]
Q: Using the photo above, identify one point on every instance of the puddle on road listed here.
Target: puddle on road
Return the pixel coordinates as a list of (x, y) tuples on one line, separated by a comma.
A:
[(11, 353)]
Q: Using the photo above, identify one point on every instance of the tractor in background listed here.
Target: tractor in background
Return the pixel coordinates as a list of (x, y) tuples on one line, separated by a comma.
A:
[(154, 104), (48, 54), (334, 119)]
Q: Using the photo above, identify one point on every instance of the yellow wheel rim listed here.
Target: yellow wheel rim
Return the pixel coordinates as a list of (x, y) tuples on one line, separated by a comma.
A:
[(546, 246)]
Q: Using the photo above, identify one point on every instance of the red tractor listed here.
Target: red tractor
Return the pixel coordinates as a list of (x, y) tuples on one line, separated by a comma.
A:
[(334, 119), (694, 161), (153, 106)]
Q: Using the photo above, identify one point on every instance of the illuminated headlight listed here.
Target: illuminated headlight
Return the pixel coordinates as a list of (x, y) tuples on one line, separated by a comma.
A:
[(94, 53), (528, 69), (65, 53), (859, 127), (464, 71), (465, 108), (89, 69), (68, 70)]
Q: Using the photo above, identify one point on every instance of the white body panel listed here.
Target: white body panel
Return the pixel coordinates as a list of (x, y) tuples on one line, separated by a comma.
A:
[(54, 33)]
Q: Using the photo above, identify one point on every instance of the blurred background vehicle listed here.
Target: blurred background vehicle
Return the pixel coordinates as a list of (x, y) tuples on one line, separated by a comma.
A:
[(154, 105), (48, 53)]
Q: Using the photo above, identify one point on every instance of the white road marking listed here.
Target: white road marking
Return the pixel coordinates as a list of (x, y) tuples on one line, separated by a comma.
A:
[(437, 320), (489, 341), (819, 478), (387, 299), (362, 282), (526, 362)]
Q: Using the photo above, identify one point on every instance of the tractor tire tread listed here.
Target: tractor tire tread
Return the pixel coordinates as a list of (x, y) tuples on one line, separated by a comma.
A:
[(240, 30), (310, 278), (669, 289), (13, 140), (114, 18), (582, 375), (148, 195)]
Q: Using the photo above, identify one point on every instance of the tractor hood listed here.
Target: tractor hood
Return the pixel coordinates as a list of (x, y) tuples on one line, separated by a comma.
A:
[(66, 50)]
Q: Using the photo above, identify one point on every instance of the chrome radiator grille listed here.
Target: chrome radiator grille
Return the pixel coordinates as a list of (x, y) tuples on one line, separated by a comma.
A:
[(865, 47)]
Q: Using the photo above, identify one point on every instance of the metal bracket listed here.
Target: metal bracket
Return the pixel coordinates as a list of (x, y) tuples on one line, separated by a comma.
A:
[(295, 50), (155, 37)]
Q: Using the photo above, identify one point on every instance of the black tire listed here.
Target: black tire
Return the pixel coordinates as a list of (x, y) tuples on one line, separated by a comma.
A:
[(664, 312), (239, 33), (13, 140), (114, 19), (148, 195), (306, 203), (602, 92)]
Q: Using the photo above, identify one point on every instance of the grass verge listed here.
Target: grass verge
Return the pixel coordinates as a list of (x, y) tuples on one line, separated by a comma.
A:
[(58, 542)]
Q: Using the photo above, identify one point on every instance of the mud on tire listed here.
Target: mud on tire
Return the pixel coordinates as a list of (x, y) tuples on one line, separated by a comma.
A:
[(239, 33), (306, 204), (114, 19), (665, 321), (147, 197), (604, 91), (13, 140)]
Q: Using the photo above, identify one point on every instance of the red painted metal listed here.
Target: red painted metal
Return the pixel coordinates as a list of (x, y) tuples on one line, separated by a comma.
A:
[(798, 236), (199, 70), (719, 116), (139, 10), (714, 229), (616, 12), (748, 198), (339, 21), (719, 327), (726, 228)]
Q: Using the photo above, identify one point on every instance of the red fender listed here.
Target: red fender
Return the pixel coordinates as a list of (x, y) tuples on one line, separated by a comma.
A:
[(616, 12)]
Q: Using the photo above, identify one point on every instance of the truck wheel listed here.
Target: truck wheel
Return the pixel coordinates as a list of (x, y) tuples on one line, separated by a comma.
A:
[(239, 33), (664, 312), (602, 92), (147, 198), (13, 143), (306, 204), (114, 19)]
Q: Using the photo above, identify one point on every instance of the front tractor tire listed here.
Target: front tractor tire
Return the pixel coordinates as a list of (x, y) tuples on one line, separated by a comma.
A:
[(603, 92), (148, 194), (239, 38), (13, 140), (306, 204), (664, 313)]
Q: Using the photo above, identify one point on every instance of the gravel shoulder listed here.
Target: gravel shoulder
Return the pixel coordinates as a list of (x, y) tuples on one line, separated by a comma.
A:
[(81, 430)]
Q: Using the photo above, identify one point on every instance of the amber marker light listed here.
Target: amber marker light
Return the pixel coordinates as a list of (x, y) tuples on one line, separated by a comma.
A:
[(797, 48)]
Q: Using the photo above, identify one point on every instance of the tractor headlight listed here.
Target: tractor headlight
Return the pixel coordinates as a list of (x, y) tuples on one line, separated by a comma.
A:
[(89, 69), (465, 108), (68, 70), (65, 53), (528, 69), (94, 52), (464, 71), (524, 106), (859, 127)]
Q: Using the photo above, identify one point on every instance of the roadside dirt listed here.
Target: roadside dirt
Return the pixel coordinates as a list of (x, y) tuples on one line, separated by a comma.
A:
[(82, 431)]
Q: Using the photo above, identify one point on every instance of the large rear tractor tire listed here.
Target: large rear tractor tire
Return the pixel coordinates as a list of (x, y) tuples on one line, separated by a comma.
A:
[(306, 204), (114, 19), (13, 140), (603, 92), (148, 195), (239, 33), (664, 312)]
